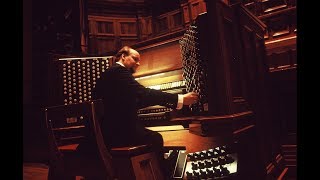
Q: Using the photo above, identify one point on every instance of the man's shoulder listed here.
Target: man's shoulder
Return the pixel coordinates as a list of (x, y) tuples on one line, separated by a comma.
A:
[(115, 71), (112, 68), (116, 67)]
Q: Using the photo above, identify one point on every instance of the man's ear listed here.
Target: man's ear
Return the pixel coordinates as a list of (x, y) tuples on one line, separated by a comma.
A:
[(122, 56)]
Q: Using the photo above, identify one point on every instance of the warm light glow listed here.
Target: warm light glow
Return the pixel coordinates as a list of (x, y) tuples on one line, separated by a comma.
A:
[(166, 128)]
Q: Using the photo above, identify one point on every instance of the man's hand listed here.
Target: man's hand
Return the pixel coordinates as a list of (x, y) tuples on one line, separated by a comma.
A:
[(190, 98)]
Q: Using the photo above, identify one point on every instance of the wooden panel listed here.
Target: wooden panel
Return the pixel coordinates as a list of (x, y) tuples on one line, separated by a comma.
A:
[(105, 27), (197, 7), (176, 20), (284, 91), (128, 42), (104, 45), (192, 141), (93, 46), (233, 57), (282, 60), (294, 57), (128, 28), (279, 26), (146, 167), (145, 27), (161, 24), (186, 14), (271, 62), (249, 63), (160, 58)]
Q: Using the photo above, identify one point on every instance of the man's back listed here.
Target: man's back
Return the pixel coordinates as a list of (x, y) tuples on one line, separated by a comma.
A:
[(119, 103), (122, 96)]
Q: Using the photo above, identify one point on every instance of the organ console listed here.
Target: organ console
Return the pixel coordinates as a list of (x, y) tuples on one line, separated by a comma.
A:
[(222, 59)]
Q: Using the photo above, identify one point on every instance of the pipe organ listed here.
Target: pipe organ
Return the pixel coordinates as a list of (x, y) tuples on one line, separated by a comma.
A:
[(222, 59)]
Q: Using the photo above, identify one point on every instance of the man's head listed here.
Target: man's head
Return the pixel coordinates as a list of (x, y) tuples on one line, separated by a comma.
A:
[(129, 57)]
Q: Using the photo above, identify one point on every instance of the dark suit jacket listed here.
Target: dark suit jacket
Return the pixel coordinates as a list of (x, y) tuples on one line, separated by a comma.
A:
[(122, 96)]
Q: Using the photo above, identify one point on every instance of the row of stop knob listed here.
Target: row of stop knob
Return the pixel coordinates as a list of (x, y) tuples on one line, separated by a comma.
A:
[(211, 162), (208, 173), (211, 153)]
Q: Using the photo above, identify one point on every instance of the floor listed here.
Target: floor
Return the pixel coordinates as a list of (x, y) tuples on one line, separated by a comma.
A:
[(38, 171)]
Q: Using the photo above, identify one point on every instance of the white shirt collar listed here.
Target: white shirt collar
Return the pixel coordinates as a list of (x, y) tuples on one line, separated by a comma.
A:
[(120, 64)]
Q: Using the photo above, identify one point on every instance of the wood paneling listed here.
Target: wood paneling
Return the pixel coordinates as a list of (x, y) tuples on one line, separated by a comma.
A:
[(162, 58), (279, 61), (192, 141), (108, 34)]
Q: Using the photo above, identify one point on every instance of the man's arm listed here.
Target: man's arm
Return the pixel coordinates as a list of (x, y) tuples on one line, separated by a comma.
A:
[(145, 96)]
